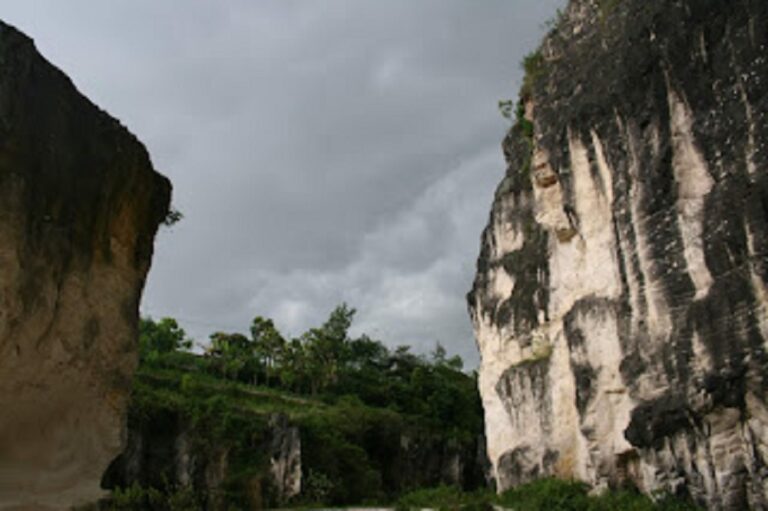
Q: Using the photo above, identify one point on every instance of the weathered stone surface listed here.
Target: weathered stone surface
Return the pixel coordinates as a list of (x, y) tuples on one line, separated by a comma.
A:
[(284, 458), (621, 298), (166, 451), (79, 207)]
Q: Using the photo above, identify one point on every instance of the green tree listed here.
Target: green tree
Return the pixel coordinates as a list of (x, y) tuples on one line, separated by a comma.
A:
[(159, 337), (366, 352), (269, 346), (234, 356), (327, 347), (293, 369), (440, 358)]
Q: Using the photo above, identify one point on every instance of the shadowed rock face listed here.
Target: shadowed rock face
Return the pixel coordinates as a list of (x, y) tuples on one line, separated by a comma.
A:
[(264, 463), (621, 298), (79, 207), (165, 448)]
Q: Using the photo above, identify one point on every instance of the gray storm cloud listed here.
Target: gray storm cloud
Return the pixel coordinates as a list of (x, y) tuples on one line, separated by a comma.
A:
[(320, 151)]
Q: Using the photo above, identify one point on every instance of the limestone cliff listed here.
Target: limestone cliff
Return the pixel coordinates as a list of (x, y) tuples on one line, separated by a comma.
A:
[(79, 207), (621, 297), (168, 451)]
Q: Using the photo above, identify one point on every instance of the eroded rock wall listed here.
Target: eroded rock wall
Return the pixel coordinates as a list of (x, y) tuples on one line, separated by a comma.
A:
[(621, 298), (79, 207), (266, 461), (168, 452)]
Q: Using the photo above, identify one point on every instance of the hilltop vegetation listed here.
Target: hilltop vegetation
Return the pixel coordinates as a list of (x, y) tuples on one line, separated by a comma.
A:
[(377, 426), (374, 423), (327, 364)]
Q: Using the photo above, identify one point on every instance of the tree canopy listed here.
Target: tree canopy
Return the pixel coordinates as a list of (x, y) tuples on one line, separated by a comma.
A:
[(325, 361), (162, 336)]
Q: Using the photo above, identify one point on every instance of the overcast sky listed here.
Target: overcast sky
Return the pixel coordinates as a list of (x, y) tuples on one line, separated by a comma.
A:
[(321, 151)]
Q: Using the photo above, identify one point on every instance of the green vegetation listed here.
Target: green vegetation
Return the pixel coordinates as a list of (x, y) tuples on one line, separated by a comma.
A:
[(446, 497), (136, 497), (172, 217), (371, 421), (164, 336), (354, 400), (526, 126), (557, 495), (506, 106), (523, 128), (556, 21), (543, 495), (533, 65)]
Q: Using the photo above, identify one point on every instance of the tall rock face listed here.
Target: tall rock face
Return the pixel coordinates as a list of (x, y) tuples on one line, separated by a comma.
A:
[(79, 207), (621, 297)]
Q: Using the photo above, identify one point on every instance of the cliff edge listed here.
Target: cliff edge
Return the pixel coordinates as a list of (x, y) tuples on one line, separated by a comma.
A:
[(621, 298), (79, 208)]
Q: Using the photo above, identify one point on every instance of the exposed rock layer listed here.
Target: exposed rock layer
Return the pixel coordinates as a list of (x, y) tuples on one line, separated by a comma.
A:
[(621, 299), (79, 207), (165, 451), (271, 460)]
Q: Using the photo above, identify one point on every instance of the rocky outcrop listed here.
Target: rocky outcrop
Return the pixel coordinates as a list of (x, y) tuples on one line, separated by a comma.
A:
[(79, 207), (621, 298), (284, 458), (263, 461), (171, 453), (425, 461)]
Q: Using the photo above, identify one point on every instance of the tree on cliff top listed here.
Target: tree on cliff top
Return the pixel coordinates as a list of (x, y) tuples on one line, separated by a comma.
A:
[(163, 336)]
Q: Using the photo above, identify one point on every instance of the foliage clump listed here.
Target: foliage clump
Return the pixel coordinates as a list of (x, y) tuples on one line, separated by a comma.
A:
[(533, 66), (136, 497), (157, 338), (172, 217), (558, 495), (547, 494), (448, 498), (353, 399), (364, 402), (523, 129)]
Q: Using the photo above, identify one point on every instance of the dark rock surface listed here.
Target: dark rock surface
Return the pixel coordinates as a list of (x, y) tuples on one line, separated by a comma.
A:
[(621, 299), (271, 459), (79, 207), (165, 451)]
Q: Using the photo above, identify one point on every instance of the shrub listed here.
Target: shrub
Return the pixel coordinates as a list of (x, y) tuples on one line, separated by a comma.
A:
[(557, 495), (446, 498), (533, 65), (547, 494)]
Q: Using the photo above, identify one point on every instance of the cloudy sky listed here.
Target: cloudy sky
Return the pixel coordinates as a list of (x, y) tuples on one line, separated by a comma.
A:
[(321, 151)]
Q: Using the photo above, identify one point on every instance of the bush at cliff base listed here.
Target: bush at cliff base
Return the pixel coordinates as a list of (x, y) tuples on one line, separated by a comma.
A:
[(543, 495)]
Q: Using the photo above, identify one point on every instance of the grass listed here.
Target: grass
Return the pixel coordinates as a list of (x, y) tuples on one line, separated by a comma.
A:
[(446, 498), (177, 388)]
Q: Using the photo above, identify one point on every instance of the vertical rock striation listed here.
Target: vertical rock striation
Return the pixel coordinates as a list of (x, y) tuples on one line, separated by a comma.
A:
[(79, 207), (621, 297), (168, 452)]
